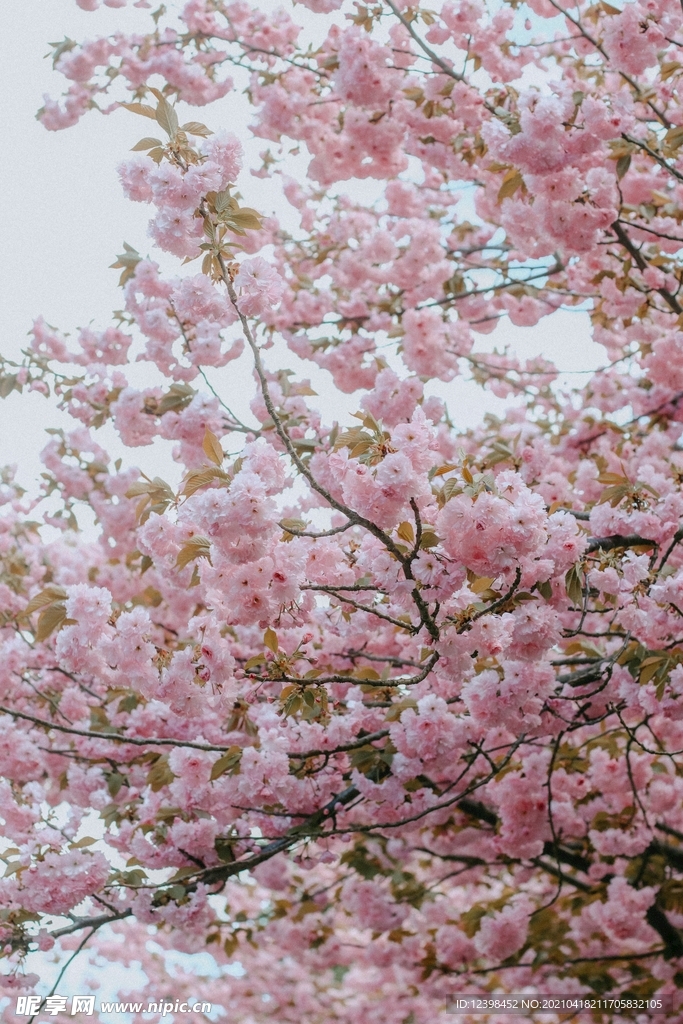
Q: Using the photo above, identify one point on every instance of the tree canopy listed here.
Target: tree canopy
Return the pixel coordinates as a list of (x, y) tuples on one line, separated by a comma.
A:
[(381, 711)]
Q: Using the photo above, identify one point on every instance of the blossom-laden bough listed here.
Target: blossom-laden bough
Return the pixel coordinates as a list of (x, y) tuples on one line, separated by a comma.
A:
[(388, 710)]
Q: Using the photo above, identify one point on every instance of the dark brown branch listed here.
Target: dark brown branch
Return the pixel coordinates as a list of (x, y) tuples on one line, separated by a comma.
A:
[(332, 588), (655, 156), (673, 944), (502, 601), (112, 736), (409, 626), (618, 540), (434, 57), (583, 676), (642, 264), (678, 537), (360, 742), (556, 873)]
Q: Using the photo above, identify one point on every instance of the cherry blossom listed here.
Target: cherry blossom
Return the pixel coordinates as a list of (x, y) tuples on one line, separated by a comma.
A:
[(382, 710)]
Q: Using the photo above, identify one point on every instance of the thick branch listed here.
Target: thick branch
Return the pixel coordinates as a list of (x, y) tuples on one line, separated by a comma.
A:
[(642, 264), (618, 540)]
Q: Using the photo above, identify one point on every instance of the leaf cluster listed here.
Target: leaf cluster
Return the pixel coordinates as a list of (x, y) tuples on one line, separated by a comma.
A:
[(369, 443)]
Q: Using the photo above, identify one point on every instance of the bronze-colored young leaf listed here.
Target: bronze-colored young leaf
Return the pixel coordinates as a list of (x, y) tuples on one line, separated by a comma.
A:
[(258, 659), (177, 397), (198, 547), (574, 586), (623, 164), (146, 143), (674, 137), (481, 583), (50, 620), (212, 447), (396, 710), (227, 762), (140, 108), (270, 640), (46, 597), (165, 115), (367, 673), (671, 895), (202, 478), (160, 774), (405, 532), (511, 182), (650, 666), (196, 128), (293, 526), (243, 220)]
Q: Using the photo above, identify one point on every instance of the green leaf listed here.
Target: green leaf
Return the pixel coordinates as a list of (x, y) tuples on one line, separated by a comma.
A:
[(60, 48), (176, 892), (650, 667), (8, 383), (115, 780), (223, 847), (160, 774), (573, 585), (177, 397), (471, 920), (292, 705), (227, 762), (127, 262), (623, 164), (99, 720), (80, 843)]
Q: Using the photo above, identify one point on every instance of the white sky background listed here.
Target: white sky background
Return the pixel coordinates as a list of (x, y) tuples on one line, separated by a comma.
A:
[(63, 218)]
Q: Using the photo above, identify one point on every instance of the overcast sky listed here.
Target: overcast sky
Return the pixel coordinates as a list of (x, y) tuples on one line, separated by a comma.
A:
[(63, 219)]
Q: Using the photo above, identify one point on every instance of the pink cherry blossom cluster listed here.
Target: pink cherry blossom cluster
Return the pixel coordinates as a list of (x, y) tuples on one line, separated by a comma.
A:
[(385, 710)]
